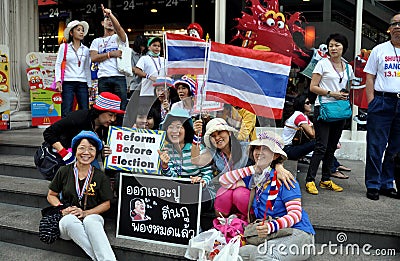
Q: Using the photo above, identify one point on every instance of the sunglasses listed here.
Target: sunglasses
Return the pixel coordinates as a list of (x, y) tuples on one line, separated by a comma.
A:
[(307, 103), (394, 24)]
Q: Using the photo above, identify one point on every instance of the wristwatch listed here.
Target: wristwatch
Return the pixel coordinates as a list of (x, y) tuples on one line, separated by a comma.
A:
[(328, 94)]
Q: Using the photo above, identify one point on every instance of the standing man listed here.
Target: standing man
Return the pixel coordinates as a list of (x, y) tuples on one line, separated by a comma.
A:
[(104, 50), (383, 120)]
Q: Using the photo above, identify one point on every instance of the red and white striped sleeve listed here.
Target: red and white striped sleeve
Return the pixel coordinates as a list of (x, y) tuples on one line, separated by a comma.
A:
[(230, 179), (293, 216)]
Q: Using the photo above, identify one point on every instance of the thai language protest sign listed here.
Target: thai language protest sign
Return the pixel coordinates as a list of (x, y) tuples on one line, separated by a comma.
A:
[(158, 209)]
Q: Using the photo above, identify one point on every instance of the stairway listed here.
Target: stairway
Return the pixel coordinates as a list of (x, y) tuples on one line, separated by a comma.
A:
[(23, 194)]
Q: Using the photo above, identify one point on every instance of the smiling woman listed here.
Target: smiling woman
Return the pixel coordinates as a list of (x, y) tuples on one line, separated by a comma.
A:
[(87, 192)]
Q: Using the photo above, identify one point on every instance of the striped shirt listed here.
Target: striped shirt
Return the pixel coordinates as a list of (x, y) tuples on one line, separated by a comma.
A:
[(181, 165)]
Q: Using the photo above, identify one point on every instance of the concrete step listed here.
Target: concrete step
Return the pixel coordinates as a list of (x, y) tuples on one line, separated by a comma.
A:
[(23, 191), (17, 149), (23, 253), (18, 166), (20, 225)]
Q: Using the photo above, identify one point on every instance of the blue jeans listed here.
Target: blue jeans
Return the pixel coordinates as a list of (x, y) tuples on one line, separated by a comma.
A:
[(383, 128), (299, 151), (115, 85), (69, 89)]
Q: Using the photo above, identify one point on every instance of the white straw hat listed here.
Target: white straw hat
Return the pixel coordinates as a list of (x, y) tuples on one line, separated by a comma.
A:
[(217, 124), (74, 23), (273, 141)]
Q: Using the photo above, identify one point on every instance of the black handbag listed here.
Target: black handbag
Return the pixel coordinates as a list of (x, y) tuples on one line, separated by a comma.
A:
[(300, 137), (47, 161), (49, 231)]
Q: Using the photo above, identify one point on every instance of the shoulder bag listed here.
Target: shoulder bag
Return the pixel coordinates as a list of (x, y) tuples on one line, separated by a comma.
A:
[(49, 230), (250, 231), (47, 161), (124, 62), (63, 64), (336, 110)]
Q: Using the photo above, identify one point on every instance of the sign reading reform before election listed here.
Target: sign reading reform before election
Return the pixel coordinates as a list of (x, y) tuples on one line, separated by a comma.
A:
[(134, 150)]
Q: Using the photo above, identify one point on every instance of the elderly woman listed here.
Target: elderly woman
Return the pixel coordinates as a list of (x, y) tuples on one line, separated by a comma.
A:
[(271, 199), (228, 154), (176, 157), (88, 193)]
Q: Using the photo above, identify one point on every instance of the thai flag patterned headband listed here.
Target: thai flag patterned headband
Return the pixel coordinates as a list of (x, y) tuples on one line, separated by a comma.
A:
[(265, 136)]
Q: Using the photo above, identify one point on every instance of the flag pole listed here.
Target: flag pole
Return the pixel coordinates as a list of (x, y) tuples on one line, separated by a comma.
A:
[(204, 74)]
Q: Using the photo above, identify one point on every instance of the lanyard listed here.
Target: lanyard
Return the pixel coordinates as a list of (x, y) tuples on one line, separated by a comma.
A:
[(76, 54), (80, 192), (228, 166), (155, 64), (340, 76)]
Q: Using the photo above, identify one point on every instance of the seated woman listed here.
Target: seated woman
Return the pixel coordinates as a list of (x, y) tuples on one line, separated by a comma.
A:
[(227, 154), (87, 191), (271, 199), (175, 157), (299, 119)]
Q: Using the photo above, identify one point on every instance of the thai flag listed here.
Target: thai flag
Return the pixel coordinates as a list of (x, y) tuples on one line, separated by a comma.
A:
[(251, 79), (185, 54)]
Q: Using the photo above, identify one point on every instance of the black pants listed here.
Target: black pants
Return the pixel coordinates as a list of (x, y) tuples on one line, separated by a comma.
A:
[(327, 137)]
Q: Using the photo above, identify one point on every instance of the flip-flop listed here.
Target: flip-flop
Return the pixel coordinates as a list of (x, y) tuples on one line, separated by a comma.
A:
[(339, 175), (343, 168)]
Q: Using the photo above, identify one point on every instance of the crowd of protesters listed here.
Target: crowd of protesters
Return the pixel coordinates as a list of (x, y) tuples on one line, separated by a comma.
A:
[(207, 147)]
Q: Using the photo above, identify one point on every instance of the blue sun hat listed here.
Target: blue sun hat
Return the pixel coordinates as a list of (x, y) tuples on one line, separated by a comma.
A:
[(88, 135), (176, 114)]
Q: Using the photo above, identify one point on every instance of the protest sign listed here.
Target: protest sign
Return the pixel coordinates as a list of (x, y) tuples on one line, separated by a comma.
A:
[(158, 209), (134, 150)]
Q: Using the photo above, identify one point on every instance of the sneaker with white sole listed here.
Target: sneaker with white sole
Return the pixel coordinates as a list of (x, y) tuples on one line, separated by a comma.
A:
[(330, 185)]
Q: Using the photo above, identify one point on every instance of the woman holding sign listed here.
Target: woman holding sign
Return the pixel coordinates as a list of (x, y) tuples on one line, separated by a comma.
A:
[(175, 157), (87, 192)]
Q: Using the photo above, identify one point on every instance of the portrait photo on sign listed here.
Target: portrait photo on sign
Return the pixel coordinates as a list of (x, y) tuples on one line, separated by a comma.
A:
[(138, 210)]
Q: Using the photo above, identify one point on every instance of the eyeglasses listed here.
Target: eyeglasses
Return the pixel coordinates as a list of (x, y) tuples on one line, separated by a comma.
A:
[(90, 149), (174, 127), (394, 24), (307, 103)]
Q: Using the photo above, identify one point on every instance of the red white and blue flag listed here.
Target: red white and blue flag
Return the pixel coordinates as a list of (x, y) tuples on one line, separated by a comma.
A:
[(185, 54), (251, 79)]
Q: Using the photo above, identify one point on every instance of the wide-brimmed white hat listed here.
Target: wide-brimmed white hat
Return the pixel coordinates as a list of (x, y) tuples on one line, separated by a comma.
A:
[(216, 124), (273, 141), (74, 23)]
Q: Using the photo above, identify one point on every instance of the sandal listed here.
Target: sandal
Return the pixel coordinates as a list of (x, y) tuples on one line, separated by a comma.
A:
[(343, 168), (339, 175)]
